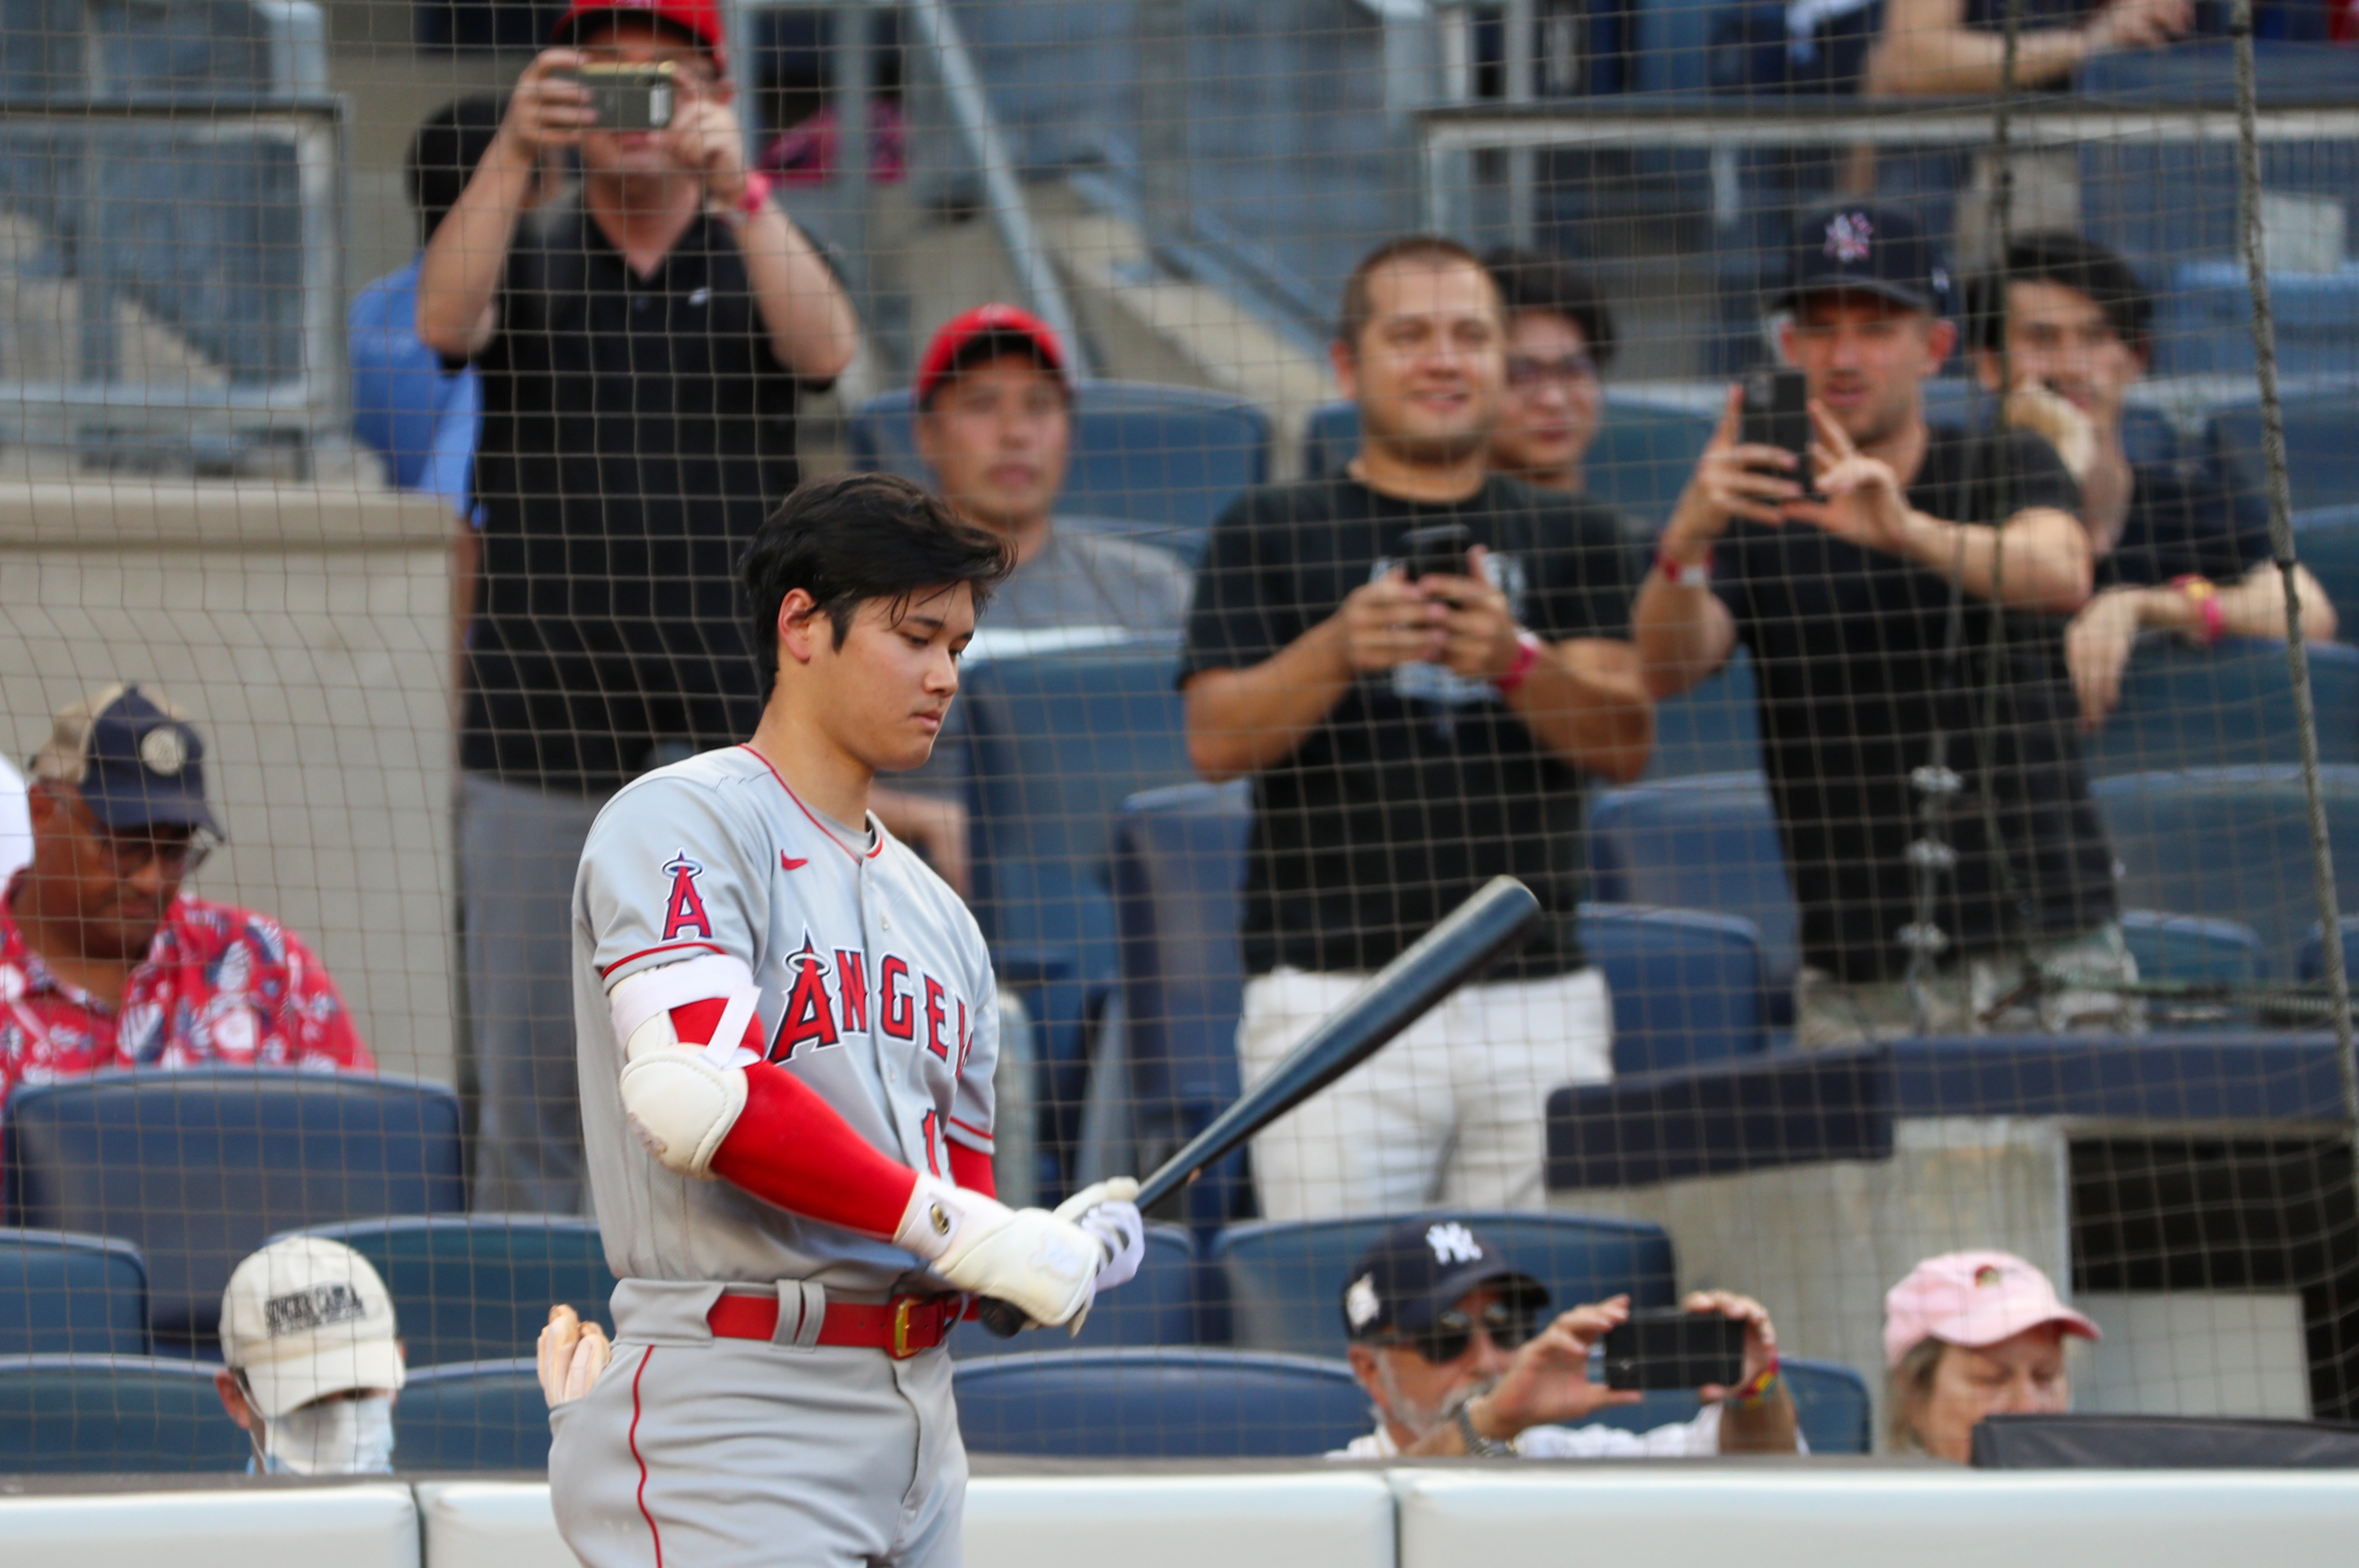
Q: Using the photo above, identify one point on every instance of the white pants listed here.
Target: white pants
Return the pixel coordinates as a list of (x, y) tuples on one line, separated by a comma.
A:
[(1454, 1112)]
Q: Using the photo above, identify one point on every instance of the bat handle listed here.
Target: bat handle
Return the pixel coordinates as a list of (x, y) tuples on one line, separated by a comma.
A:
[(1003, 1321)]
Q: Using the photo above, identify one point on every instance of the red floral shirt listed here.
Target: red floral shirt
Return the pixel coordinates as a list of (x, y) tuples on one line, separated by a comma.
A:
[(220, 985)]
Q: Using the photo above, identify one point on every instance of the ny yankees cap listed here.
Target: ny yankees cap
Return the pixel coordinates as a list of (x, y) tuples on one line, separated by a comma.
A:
[(133, 757), (1419, 1269), (1974, 1300), (1860, 248), (700, 19), (306, 1317), (989, 329)]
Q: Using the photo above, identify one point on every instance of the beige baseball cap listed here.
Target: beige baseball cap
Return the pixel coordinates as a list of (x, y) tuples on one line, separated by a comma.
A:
[(308, 1317)]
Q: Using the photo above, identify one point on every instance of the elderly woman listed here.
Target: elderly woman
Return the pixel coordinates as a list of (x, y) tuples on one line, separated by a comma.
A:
[(1970, 1334)]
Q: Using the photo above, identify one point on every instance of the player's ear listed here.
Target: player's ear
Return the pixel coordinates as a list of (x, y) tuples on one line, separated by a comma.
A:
[(802, 628)]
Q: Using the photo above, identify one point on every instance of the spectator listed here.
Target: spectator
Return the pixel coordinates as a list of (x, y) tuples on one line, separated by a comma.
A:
[(1915, 724), (1945, 48), (1970, 1334), (1453, 1346), (104, 961), (2177, 550), (1407, 741), (641, 345), (1559, 340), (310, 1359)]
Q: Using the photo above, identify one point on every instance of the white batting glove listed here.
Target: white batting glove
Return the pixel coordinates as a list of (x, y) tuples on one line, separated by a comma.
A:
[(1106, 1211), (1041, 1264)]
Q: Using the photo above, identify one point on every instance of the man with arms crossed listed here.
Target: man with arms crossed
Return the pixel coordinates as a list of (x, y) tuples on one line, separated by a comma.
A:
[(1876, 702), (787, 1033)]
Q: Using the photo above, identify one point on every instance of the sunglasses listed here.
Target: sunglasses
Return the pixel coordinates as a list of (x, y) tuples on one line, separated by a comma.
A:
[(1508, 1323)]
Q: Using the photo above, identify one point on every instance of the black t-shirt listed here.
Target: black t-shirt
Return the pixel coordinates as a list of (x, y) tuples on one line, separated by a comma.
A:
[(1417, 787), (2183, 518), (635, 432), (1849, 649)]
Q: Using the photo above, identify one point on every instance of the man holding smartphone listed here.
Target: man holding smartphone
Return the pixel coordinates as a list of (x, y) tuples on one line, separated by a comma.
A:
[(1459, 1355), (1419, 663), (642, 345), (1902, 590)]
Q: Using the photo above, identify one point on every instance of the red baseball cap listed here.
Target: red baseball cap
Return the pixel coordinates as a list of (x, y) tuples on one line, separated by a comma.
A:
[(700, 19), (1974, 1300), (1012, 328)]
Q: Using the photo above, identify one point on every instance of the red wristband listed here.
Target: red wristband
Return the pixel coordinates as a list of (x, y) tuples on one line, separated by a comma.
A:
[(1684, 573), (2205, 597), (1528, 653), (756, 193)]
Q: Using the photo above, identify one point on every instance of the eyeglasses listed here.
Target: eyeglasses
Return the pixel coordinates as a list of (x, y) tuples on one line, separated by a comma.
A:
[(1509, 1325), (1523, 370), (129, 854)]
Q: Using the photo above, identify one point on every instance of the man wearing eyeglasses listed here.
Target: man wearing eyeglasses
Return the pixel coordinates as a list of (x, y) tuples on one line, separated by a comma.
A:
[(1459, 1355), (104, 962), (1559, 340)]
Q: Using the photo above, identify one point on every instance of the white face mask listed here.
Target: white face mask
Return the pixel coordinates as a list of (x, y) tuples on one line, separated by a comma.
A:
[(331, 1437)]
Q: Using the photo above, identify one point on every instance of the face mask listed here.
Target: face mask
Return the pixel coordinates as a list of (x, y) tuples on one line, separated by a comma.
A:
[(332, 1437)]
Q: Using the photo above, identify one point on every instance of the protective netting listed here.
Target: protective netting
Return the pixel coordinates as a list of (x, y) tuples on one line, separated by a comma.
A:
[(1938, 862)]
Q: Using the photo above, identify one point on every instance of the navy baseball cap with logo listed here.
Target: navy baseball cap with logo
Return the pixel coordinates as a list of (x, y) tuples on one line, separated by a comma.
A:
[(1420, 1268), (134, 759), (1858, 247)]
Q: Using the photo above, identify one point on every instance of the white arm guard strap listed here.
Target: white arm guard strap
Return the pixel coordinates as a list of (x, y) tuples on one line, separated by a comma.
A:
[(683, 1100)]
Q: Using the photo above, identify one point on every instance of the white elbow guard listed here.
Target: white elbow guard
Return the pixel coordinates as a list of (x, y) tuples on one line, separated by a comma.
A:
[(681, 1100)]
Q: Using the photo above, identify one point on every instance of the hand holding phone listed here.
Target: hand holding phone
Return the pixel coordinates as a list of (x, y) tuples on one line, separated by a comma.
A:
[(628, 97), (1435, 549), (1777, 413)]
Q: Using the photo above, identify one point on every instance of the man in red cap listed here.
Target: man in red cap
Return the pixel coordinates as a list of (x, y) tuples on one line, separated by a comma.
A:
[(642, 345)]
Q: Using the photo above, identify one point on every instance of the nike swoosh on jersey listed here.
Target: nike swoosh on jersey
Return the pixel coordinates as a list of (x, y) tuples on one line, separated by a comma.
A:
[(788, 863)]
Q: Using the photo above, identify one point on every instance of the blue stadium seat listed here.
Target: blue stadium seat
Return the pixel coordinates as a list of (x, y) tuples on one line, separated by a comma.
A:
[(1158, 1404), (479, 1287), (1165, 459), (2185, 707), (2205, 324), (223, 52), (2229, 841), (473, 1415), (199, 1168), (1056, 744), (64, 1294), (1686, 985), (1830, 1403), (64, 1415), (2192, 947), (2322, 460), (1706, 842), (1286, 1279), (1179, 868), (1713, 728), (2326, 540), (1156, 1308), (2311, 963)]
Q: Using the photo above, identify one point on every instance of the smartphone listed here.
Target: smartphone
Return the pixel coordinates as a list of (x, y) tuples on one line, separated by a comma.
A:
[(1777, 413), (630, 97), (1672, 1349), (1436, 548)]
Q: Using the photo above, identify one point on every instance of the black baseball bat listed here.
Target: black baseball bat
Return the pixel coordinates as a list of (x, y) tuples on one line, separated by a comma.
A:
[(1467, 941)]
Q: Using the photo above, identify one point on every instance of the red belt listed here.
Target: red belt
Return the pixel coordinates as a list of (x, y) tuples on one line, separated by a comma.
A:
[(900, 1328)]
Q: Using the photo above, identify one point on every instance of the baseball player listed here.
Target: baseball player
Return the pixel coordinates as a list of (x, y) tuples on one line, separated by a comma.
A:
[(786, 1028)]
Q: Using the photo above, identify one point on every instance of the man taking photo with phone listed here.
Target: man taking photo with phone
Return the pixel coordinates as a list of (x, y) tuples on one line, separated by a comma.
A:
[(642, 346), (1902, 590)]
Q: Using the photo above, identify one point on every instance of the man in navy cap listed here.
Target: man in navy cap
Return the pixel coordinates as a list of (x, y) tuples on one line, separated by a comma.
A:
[(1903, 600), (104, 962), (1460, 1355)]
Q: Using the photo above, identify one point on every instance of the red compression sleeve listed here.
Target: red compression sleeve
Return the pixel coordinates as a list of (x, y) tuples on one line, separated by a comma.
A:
[(792, 1148), (970, 1169)]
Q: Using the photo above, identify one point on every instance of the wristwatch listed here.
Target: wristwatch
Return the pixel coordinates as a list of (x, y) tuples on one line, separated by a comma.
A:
[(1479, 1446)]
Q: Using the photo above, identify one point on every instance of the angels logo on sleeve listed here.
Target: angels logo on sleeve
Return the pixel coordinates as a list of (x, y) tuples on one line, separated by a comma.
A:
[(684, 907)]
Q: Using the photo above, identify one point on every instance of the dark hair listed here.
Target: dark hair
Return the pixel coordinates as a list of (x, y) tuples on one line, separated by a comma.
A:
[(1357, 311), (1534, 280), (443, 154), (2072, 262), (859, 536)]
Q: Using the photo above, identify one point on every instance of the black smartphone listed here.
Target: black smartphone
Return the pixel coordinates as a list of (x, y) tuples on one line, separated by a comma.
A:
[(630, 97), (1436, 548), (1673, 1349), (1777, 413)]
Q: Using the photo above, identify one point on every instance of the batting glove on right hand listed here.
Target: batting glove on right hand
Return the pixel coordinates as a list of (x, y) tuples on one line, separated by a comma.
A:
[(1107, 1210), (1044, 1266)]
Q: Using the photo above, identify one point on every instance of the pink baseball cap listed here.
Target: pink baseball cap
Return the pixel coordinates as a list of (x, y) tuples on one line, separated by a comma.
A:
[(1974, 1300)]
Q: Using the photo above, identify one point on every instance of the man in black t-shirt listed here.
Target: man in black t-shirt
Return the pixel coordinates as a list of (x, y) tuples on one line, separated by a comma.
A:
[(641, 345), (2180, 546), (1951, 872), (1411, 734)]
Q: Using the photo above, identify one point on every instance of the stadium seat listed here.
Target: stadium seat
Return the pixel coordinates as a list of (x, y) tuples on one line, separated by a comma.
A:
[(1179, 867), (2229, 841), (473, 1415), (2322, 460), (1164, 460), (2326, 540), (1686, 985), (2192, 947), (1286, 1279), (1830, 1403), (2221, 707), (62, 1294), (1056, 744), (2205, 324), (2311, 963), (199, 1168), (479, 1287), (1156, 1308), (1714, 728), (1707, 842), (144, 1415), (1158, 1404)]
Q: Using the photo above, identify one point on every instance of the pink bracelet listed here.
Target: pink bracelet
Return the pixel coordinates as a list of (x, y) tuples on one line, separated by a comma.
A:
[(2205, 596), (1528, 653)]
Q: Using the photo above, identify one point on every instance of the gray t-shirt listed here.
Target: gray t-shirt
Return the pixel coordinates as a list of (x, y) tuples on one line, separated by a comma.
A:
[(1082, 579)]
